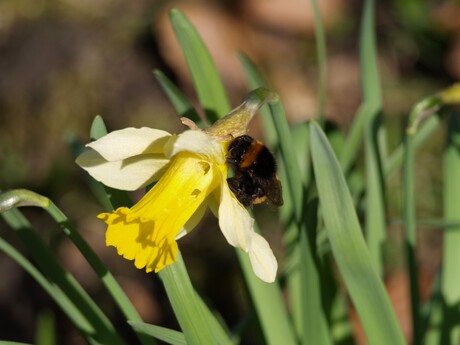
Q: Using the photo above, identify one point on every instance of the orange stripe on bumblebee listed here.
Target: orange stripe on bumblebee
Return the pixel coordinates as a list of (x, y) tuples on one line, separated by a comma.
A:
[(252, 154)]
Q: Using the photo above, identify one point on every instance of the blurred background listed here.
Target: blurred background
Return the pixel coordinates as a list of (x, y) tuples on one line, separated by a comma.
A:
[(64, 61)]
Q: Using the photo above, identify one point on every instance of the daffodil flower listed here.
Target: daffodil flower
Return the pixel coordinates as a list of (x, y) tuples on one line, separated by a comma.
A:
[(190, 172)]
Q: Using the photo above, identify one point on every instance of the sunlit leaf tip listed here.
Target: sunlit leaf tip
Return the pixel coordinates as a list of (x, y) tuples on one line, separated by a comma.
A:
[(20, 198)]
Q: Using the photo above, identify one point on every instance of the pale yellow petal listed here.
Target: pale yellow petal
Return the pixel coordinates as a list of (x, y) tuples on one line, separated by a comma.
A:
[(234, 220), (129, 142), (199, 143), (263, 261), (129, 174)]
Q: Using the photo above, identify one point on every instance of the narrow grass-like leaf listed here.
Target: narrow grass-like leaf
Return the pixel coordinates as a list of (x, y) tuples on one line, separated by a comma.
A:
[(181, 103), (441, 314), (301, 139), (20, 198), (348, 246), (426, 129), (255, 80), (354, 140), (433, 314), (395, 159), (315, 329), (303, 281), (321, 54), (373, 133), (99, 268), (174, 337), (66, 305), (103, 331), (303, 284), (419, 112), (187, 309), (167, 335), (220, 334), (450, 283), (370, 81), (208, 84), (375, 203), (300, 133), (294, 179), (410, 234), (271, 135)]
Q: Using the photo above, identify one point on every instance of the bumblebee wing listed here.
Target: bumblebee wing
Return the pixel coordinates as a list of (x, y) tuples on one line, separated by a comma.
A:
[(271, 188)]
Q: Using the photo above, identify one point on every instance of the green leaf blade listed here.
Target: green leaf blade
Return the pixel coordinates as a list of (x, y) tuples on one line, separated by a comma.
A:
[(101, 329), (374, 138), (189, 310), (180, 103), (450, 281), (206, 79), (167, 335), (321, 53), (349, 248), (303, 281)]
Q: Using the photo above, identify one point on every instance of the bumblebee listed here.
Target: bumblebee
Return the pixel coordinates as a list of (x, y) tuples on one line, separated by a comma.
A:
[(255, 179)]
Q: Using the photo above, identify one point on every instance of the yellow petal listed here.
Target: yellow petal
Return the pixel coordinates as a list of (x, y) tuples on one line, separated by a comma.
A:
[(146, 232), (194, 220)]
